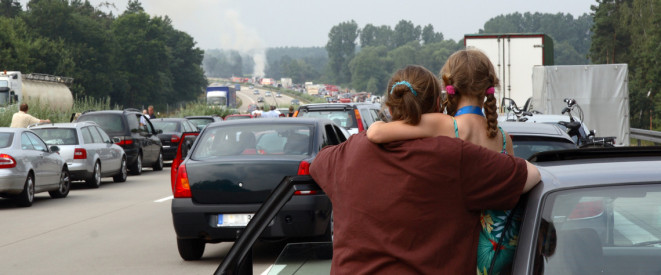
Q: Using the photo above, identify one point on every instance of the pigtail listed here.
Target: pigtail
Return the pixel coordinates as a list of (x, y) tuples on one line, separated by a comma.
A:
[(403, 104), (491, 114)]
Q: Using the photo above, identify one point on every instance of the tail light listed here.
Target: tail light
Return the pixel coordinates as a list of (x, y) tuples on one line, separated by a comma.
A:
[(80, 153), (304, 169), (125, 142), (174, 139), (181, 185), (587, 209), (359, 121), (7, 161)]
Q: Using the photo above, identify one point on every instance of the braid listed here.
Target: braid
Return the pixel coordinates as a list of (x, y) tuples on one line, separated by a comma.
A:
[(491, 115)]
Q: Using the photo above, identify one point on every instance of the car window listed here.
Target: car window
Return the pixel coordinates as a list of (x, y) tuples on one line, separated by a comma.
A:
[(103, 134), (185, 126), (96, 137), (113, 124), (586, 230), (340, 134), (167, 126), (26, 144), (87, 136), (57, 136), (263, 139), (524, 147), (200, 122), (37, 144), (330, 133), (134, 123), (342, 118), (6, 139)]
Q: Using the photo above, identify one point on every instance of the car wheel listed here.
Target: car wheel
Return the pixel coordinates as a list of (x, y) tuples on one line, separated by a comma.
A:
[(328, 236), (63, 187), (123, 172), (95, 180), (136, 169), (158, 166), (190, 249), (26, 197)]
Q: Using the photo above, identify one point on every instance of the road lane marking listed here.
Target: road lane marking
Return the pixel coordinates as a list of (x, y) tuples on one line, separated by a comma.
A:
[(165, 199)]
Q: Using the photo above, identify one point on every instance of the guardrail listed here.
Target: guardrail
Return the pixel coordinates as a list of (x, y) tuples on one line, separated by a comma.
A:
[(648, 135)]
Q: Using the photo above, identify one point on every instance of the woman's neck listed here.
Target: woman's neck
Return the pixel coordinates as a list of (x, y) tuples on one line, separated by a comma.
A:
[(469, 101)]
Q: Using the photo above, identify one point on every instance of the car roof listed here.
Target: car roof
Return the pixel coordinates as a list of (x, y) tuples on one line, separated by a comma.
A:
[(337, 105), (279, 120), (168, 119), (65, 125), (533, 129)]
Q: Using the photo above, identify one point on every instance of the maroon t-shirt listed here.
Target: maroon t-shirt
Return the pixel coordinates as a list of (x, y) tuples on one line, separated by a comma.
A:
[(413, 206)]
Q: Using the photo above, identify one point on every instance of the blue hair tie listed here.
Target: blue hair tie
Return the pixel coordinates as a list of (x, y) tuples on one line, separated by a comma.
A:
[(407, 85)]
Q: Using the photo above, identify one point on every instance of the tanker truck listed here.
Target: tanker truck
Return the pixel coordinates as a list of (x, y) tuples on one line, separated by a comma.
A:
[(52, 91)]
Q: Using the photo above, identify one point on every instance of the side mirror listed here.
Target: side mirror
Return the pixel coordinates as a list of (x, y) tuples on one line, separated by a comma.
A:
[(55, 149), (116, 140), (159, 131)]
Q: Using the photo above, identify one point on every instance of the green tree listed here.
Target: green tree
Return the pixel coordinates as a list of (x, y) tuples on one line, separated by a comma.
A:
[(10, 8), (341, 49), (370, 64), (405, 55), (429, 36), (406, 32)]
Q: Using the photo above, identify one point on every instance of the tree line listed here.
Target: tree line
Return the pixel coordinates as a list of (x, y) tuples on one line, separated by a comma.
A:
[(133, 58)]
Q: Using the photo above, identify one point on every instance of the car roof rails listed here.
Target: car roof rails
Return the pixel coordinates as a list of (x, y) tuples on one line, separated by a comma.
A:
[(132, 110), (597, 153)]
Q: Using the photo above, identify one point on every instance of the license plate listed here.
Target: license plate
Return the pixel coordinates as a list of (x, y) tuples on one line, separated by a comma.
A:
[(234, 219)]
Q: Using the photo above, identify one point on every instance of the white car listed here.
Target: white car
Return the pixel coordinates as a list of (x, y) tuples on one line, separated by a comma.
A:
[(89, 152)]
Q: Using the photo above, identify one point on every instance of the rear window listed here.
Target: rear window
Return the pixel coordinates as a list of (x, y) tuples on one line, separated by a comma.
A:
[(524, 147), (57, 136), (254, 139), (167, 126), (6, 139), (200, 122), (346, 119), (113, 124)]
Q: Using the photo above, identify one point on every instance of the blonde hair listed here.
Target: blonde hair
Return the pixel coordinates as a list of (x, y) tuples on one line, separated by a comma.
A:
[(471, 73)]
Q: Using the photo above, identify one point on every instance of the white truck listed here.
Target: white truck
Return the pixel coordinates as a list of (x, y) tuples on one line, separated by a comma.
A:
[(34, 88), (601, 91), (514, 56)]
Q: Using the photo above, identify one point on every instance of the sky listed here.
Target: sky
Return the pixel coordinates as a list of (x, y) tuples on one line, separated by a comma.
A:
[(247, 25)]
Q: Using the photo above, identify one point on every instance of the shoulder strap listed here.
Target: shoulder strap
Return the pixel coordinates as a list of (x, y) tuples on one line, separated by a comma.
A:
[(456, 129), (504, 139)]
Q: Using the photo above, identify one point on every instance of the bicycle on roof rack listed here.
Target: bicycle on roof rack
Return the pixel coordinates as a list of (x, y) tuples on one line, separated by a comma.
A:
[(575, 130)]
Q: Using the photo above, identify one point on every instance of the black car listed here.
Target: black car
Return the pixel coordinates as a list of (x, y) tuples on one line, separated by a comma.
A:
[(355, 117), (232, 168), (170, 132), (136, 134), (202, 121)]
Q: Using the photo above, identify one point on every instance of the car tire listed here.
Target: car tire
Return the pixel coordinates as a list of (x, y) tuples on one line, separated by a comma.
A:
[(136, 169), (328, 236), (190, 249), (123, 172), (95, 180), (158, 166), (25, 198), (63, 187)]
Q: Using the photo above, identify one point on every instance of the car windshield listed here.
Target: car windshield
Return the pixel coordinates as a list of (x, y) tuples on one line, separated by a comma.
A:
[(610, 228), (201, 122), (113, 124), (58, 136), (253, 139), (340, 117), (6, 139), (524, 146), (167, 126)]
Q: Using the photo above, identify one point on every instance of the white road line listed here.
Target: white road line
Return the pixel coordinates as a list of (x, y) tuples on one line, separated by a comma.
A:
[(165, 199)]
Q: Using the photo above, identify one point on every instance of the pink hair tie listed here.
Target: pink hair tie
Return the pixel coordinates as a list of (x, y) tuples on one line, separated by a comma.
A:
[(491, 91), (449, 89)]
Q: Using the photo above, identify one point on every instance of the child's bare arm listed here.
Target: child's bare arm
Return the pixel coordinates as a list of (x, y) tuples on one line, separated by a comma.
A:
[(430, 126)]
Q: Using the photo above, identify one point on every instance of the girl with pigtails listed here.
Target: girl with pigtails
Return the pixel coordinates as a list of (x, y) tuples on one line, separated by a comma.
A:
[(469, 80)]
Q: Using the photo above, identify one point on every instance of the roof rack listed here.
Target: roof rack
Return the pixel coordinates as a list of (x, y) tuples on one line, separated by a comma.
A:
[(133, 110), (597, 153)]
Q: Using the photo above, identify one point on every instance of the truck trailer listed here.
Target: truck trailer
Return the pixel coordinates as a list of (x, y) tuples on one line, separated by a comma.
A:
[(52, 91), (221, 96), (514, 56)]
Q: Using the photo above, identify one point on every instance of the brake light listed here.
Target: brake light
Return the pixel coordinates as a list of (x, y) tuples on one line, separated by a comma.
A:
[(304, 168), (174, 139), (587, 209), (305, 192), (80, 153), (181, 185), (359, 121), (7, 161), (125, 142)]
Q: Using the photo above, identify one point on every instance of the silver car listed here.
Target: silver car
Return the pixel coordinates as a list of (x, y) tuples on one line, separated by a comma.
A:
[(29, 166), (88, 150)]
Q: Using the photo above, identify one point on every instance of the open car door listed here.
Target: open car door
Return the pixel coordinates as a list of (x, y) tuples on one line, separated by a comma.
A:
[(185, 144)]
